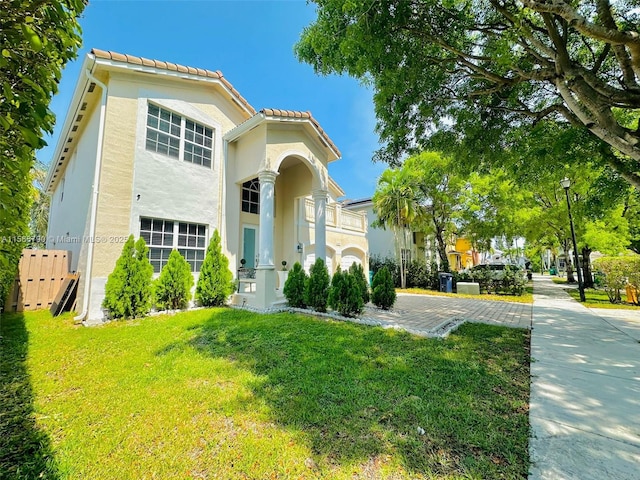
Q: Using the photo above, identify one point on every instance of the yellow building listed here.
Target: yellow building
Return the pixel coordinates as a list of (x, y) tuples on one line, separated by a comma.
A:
[(462, 255)]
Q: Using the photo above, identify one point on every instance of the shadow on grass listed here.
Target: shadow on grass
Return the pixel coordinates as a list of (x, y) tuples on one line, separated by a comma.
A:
[(453, 407), (25, 451)]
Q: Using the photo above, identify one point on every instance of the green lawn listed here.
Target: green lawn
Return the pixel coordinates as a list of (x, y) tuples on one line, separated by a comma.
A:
[(228, 394), (559, 280), (599, 299), (526, 297)]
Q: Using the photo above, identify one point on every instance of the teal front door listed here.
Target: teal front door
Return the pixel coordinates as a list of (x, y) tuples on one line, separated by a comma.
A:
[(250, 246)]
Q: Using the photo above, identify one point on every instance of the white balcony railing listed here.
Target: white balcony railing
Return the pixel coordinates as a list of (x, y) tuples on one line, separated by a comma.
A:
[(353, 221), (337, 217)]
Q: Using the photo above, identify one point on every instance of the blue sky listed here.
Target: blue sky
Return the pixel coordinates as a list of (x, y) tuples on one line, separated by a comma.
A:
[(251, 42)]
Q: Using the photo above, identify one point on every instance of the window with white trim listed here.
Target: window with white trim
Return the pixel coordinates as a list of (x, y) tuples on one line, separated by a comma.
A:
[(251, 196), (171, 134), (162, 236)]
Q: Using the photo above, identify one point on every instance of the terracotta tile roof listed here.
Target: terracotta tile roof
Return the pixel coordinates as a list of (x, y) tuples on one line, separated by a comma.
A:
[(119, 57), (275, 112)]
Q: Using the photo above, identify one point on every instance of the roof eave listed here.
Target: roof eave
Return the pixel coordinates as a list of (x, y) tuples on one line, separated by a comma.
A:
[(76, 100), (338, 188), (235, 133), (261, 117)]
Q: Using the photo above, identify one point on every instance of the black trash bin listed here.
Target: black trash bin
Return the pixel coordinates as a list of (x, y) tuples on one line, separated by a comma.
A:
[(446, 282)]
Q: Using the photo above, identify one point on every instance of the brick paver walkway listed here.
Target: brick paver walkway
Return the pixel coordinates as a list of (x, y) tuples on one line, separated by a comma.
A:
[(426, 314)]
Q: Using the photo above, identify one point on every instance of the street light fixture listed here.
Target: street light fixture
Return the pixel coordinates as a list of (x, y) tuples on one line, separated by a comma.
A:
[(566, 183)]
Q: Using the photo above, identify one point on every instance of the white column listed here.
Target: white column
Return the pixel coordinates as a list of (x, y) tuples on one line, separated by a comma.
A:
[(267, 188), (320, 203)]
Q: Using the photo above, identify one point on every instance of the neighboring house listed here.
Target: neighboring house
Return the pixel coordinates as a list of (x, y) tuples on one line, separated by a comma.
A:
[(382, 242), (460, 252), (462, 255), (170, 153)]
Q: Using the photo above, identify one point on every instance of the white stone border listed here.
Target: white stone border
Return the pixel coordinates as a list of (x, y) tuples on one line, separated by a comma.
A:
[(441, 331)]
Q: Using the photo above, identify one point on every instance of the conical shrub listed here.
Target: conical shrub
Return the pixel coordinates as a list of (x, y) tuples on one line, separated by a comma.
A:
[(345, 295), (173, 287), (295, 285), (128, 291), (358, 275), (215, 282), (383, 293), (317, 291)]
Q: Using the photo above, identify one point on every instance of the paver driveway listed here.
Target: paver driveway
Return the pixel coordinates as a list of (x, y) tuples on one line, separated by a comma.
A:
[(427, 314)]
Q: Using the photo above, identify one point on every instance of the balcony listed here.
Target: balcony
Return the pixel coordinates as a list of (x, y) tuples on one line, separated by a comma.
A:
[(336, 217)]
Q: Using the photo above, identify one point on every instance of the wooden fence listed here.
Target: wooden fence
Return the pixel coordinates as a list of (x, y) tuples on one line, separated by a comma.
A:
[(39, 278)]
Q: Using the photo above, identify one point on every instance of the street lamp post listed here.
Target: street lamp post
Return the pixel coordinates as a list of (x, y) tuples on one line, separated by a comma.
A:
[(566, 183)]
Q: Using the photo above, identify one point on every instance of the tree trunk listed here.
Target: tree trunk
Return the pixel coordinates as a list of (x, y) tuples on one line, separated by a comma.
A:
[(570, 277), (399, 256), (440, 243), (587, 277), (403, 260), (442, 252)]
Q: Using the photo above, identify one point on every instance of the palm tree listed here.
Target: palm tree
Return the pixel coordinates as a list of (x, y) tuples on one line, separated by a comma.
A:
[(396, 206), (40, 207)]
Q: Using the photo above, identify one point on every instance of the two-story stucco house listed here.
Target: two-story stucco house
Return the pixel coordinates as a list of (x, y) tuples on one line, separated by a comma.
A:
[(170, 153)]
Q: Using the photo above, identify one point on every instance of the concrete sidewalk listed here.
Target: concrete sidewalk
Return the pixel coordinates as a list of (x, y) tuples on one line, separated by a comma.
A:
[(585, 389)]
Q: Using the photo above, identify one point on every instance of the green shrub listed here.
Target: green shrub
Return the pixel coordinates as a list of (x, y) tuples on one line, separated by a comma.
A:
[(215, 282), (128, 292), (484, 277), (460, 277), (513, 281), (345, 295), (383, 293), (376, 262), (335, 290), (173, 287), (617, 273), (295, 285), (418, 274), (8, 270), (317, 288), (434, 278), (634, 276), (361, 280)]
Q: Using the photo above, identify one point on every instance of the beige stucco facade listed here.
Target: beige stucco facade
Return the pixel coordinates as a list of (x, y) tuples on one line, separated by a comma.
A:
[(287, 152)]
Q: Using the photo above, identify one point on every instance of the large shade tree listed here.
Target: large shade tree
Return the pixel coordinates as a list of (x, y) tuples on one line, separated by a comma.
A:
[(439, 189), (37, 38), (494, 206), (632, 213), (476, 70)]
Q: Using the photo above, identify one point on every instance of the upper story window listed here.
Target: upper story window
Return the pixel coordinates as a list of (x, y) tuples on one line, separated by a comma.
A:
[(251, 196), (178, 137)]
